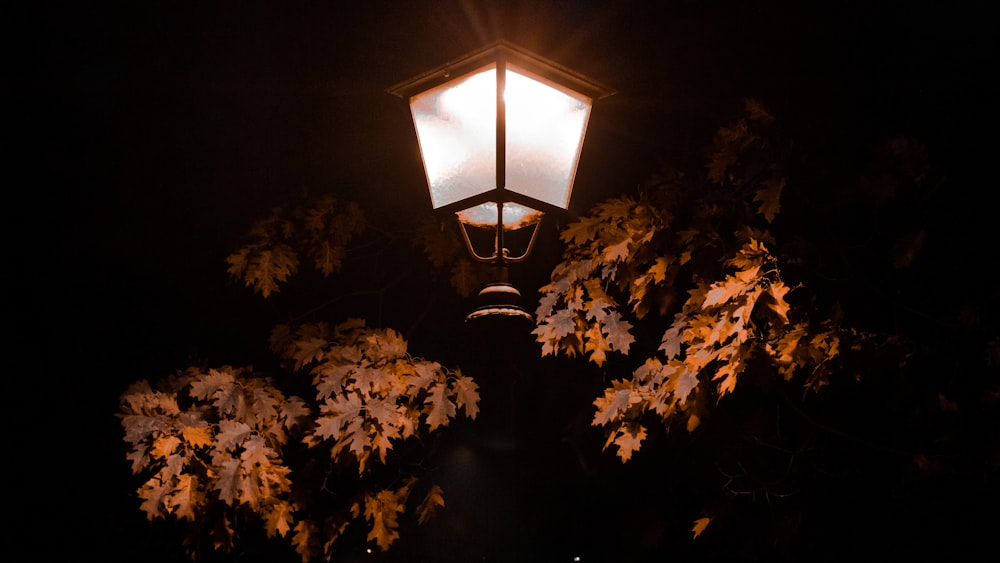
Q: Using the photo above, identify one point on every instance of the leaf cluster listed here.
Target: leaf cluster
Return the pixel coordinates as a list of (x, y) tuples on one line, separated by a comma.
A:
[(694, 252), (210, 441), (684, 281), (321, 229), (212, 444), (370, 392)]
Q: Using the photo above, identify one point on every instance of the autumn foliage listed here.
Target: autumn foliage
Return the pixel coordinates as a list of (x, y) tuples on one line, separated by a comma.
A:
[(684, 282), (712, 277), (210, 443)]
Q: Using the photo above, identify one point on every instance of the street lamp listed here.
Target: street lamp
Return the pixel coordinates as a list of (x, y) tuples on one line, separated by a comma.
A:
[(500, 132)]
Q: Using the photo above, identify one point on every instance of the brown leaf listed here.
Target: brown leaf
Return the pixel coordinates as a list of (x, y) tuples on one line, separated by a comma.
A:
[(769, 197), (431, 503), (699, 526)]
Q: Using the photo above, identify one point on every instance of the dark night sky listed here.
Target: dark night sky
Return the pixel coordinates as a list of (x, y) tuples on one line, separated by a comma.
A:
[(150, 134)]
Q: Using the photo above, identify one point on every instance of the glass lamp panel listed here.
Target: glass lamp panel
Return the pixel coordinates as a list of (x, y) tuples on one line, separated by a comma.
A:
[(515, 216), (456, 129), (545, 130)]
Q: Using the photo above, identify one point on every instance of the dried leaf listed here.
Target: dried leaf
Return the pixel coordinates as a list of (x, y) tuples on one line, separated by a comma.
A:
[(699, 526), (769, 197)]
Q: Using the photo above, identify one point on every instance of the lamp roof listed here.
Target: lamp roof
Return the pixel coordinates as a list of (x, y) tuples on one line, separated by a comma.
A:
[(501, 50)]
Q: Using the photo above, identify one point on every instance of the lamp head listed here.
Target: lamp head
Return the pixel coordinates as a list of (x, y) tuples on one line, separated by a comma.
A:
[(500, 132)]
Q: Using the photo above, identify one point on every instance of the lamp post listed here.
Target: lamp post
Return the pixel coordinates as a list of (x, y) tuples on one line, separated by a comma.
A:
[(500, 132)]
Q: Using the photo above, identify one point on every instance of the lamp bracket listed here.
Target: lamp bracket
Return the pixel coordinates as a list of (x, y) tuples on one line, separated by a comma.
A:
[(501, 256)]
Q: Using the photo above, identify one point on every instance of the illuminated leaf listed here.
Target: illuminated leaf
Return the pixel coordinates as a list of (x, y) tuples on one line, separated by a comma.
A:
[(699, 526), (778, 291), (279, 519), (293, 410), (722, 292), (618, 332), (658, 271), (425, 374), (256, 451), (304, 540), (596, 344), (164, 446), (382, 511), (556, 327), (338, 411), (197, 436), (204, 386), (228, 483), (629, 439), (615, 402), (184, 498), (467, 395), (618, 251), (153, 494), (684, 382), (670, 344), (384, 410), (441, 407), (308, 350), (231, 434), (332, 378)]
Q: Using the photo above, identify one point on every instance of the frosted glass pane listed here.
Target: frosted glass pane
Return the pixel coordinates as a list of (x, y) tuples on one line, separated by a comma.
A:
[(515, 215), (545, 129), (456, 129)]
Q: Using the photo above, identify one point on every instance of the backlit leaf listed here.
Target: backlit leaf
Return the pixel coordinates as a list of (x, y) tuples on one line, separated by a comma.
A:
[(778, 290), (164, 446), (467, 395), (618, 332), (615, 402), (699, 526), (684, 382), (382, 512), (441, 407), (197, 436), (596, 345)]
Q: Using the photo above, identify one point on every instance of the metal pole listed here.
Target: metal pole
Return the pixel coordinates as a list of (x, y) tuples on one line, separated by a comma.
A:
[(501, 154)]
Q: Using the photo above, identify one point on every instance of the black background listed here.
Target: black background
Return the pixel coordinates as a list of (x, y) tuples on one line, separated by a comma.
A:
[(147, 136)]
